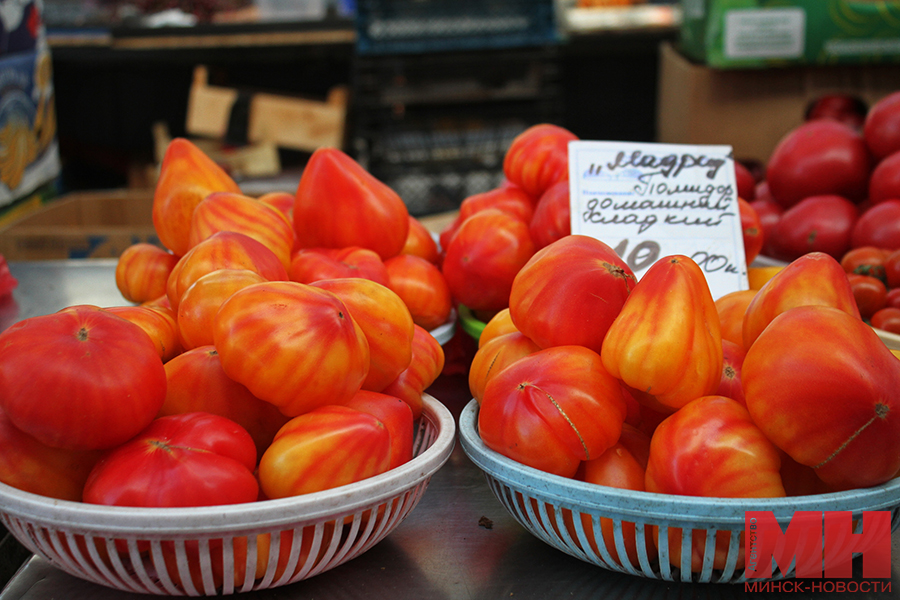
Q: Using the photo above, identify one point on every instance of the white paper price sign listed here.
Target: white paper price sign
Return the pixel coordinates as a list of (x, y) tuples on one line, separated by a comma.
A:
[(653, 200)]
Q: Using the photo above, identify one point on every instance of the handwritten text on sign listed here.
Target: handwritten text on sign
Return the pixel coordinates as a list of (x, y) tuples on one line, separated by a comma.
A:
[(653, 200)]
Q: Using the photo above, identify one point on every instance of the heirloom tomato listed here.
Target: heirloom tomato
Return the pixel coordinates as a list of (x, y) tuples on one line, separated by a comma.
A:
[(666, 342), (223, 250), (731, 308), (158, 322), (385, 321), (186, 177), (291, 344), (732, 361), (815, 224), (821, 157), (32, 466), (196, 382), (538, 157), (882, 126), (201, 301), (509, 199), (420, 242), (81, 378), (878, 226), (191, 459), (422, 287), (495, 355), (711, 447), (426, 364), (312, 264), (553, 409), (814, 278), (484, 257), (823, 387), (570, 292), (142, 271), (893, 297), (322, 449), (338, 204), (397, 417), (228, 211), (500, 324), (869, 292), (622, 466), (281, 201), (551, 219)]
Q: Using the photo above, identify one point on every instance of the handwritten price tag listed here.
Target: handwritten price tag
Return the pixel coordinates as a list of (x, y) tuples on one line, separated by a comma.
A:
[(653, 200)]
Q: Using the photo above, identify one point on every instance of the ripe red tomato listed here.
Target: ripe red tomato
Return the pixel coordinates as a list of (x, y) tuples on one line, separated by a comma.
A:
[(29, 465), (186, 176), (82, 378), (752, 230), (887, 319), (821, 157), (884, 183), (878, 226), (892, 269), (570, 292), (339, 204), (815, 224), (422, 287), (484, 257), (553, 409), (142, 271), (191, 459), (882, 126), (822, 386), (196, 382), (291, 344), (769, 213), (746, 183), (839, 107), (322, 449), (552, 216), (228, 211), (538, 157), (866, 260), (870, 294), (893, 297)]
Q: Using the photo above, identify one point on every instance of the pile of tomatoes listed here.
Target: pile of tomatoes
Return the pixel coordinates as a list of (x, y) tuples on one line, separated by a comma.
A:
[(833, 183), (874, 275), (276, 346)]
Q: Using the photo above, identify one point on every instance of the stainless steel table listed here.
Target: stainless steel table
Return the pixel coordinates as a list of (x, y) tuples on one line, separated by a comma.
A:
[(459, 542)]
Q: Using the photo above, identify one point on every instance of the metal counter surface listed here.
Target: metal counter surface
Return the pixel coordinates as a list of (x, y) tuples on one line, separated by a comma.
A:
[(459, 543)]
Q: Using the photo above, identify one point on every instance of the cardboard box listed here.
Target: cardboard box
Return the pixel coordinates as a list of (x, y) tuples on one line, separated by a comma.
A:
[(752, 109), (763, 33), (285, 121), (82, 225)]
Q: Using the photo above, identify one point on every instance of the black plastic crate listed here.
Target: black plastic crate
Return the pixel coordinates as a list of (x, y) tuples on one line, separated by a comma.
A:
[(417, 26)]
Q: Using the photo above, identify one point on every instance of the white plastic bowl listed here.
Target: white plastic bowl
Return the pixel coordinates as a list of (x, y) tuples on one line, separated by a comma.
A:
[(539, 501), (210, 549)]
